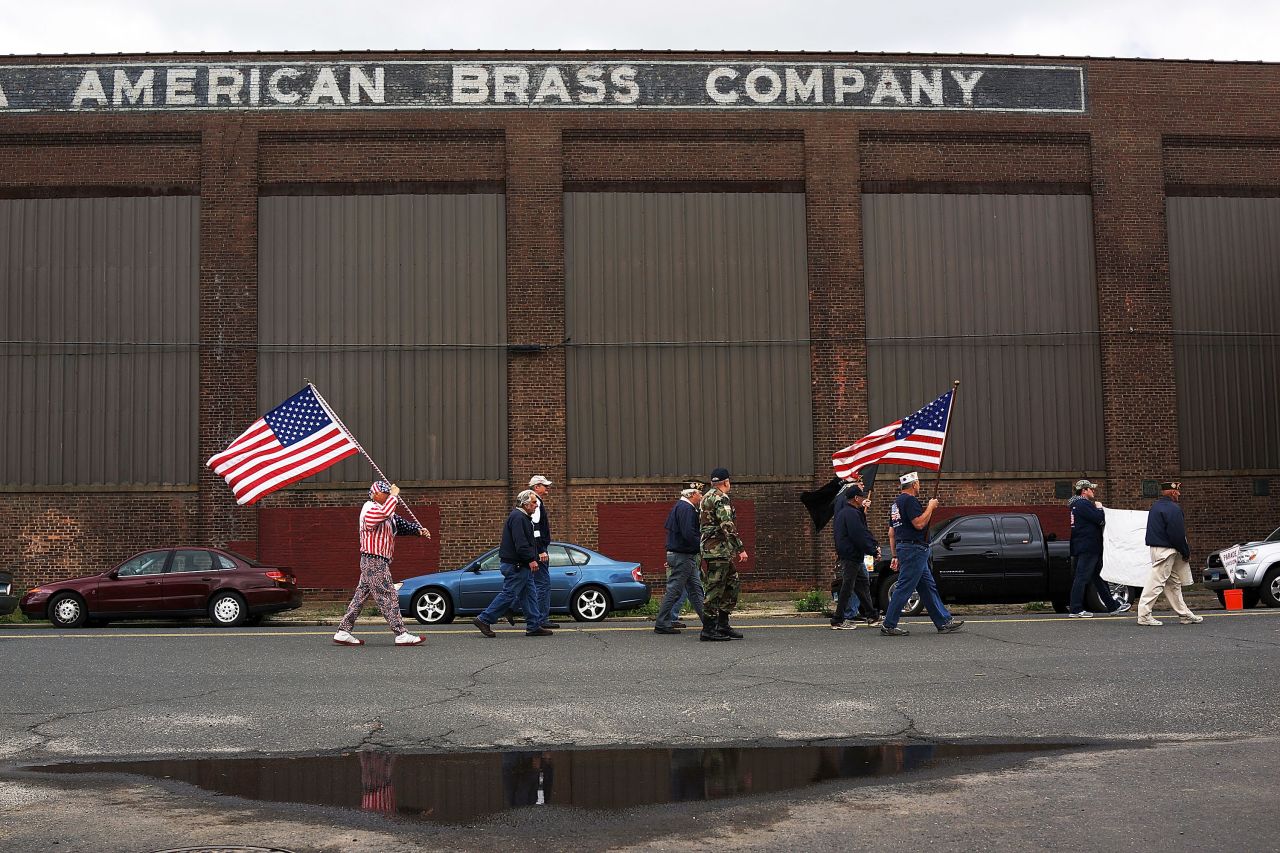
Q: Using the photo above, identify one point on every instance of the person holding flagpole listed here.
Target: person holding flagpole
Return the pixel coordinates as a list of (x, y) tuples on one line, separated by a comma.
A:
[(909, 523), (379, 525)]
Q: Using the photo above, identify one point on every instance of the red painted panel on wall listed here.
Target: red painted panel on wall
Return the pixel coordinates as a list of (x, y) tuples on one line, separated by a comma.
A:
[(321, 544), (634, 531)]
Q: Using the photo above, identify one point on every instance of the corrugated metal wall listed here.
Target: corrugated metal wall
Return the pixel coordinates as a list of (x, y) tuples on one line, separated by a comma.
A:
[(1224, 271), (997, 291), (98, 365), (688, 314), (394, 305)]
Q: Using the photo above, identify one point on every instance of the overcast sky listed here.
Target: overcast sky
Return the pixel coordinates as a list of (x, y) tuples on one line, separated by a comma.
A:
[(1232, 30)]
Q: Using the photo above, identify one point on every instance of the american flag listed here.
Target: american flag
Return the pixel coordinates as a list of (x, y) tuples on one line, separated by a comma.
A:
[(915, 440), (289, 443)]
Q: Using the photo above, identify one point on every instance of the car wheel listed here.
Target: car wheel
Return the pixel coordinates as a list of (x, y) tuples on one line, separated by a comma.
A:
[(432, 606), (590, 604), (1269, 592), (914, 604), (68, 611), (226, 609)]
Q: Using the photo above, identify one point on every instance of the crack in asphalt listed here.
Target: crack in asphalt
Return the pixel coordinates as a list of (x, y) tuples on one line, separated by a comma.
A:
[(34, 728)]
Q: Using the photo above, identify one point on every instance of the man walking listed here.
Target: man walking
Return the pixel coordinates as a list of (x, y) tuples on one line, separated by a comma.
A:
[(854, 543), (540, 596), (719, 544), (379, 526), (1087, 520), (1170, 553), (683, 544), (519, 560), (908, 523)]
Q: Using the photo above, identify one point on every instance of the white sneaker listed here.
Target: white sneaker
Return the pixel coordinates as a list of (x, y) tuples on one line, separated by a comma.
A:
[(407, 639), (1193, 619), (1083, 614), (345, 638), (1149, 620)]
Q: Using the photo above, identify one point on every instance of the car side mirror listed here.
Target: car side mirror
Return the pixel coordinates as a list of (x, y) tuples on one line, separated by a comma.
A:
[(114, 574), (950, 539), (1051, 537), (474, 567)]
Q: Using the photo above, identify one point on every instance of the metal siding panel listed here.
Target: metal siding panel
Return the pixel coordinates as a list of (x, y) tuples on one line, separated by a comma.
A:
[(394, 306), (687, 310), (1224, 273), (101, 315), (997, 291)]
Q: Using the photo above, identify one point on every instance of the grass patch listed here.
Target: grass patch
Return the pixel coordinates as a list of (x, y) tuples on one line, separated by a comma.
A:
[(813, 601), (17, 617), (1037, 607)]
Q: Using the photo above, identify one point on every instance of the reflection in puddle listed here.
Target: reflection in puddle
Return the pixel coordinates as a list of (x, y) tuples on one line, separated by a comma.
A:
[(460, 787)]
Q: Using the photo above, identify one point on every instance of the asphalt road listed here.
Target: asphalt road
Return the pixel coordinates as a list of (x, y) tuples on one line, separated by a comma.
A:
[(1150, 703)]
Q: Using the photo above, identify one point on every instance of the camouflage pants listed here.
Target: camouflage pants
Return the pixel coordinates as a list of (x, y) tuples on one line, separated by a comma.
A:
[(722, 585), (375, 583)]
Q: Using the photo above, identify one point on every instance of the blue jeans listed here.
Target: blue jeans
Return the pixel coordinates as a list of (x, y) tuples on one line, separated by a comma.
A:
[(684, 580), (515, 593), (913, 574), (539, 597), (1088, 571)]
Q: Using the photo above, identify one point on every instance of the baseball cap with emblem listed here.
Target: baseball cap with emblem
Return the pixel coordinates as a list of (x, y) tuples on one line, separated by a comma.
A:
[(1166, 485), (719, 475), (538, 480), (1081, 485), (696, 485), (854, 491), (908, 478)]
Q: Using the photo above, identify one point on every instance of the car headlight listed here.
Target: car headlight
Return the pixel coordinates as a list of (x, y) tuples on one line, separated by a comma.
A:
[(398, 585), (1248, 556)]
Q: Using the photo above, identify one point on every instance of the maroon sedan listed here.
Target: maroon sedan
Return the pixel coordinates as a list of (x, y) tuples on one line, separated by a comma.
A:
[(229, 589)]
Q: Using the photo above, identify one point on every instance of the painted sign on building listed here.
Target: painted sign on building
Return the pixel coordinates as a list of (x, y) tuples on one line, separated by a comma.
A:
[(128, 87)]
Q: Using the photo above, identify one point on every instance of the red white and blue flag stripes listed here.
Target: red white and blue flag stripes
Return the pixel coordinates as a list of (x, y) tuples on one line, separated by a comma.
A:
[(916, 440), (291, 442)]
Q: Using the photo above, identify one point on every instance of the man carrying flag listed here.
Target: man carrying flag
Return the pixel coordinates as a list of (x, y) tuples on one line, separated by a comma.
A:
[(379, 525)]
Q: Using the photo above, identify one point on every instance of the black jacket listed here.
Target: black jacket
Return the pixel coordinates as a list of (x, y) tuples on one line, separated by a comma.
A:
[(1086, 526), (543, 527), (682, 528), (1166, 527), (517, 540), (853, 540)]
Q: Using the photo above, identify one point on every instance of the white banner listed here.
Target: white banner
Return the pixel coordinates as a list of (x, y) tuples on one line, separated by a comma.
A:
[(1126, 558), (1230, 556)]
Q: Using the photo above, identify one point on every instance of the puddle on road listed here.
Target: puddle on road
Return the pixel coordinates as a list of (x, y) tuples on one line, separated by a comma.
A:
[(462, 787)]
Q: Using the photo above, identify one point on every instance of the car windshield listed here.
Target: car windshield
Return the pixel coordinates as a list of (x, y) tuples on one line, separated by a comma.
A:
[(248, 560), (1274, 537)]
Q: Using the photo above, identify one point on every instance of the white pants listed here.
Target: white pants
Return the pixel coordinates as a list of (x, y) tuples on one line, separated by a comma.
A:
[(1167, 569)]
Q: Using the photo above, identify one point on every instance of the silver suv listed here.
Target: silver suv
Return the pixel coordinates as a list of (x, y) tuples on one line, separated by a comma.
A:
[(1257, 572)]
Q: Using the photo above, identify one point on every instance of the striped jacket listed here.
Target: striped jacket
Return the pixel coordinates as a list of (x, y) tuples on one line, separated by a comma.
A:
[(379, 525)]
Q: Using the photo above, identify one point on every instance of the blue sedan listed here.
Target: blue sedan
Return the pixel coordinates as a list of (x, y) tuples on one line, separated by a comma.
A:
[(584, 584)]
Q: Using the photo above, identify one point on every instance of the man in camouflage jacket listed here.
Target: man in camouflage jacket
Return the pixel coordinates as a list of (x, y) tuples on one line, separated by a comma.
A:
[(720, 543)]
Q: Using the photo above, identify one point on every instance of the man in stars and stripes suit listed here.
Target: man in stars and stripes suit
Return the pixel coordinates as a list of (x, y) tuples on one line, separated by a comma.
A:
[(379, 525)]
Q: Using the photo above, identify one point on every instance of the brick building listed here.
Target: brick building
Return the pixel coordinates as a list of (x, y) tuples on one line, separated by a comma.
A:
[(620, 270)]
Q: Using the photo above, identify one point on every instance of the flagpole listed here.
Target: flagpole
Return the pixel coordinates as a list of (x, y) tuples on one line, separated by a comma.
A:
[(955, 388), (381, 476)]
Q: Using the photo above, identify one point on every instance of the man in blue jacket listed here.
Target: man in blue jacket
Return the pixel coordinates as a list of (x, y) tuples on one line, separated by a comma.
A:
[(1087, 520), (683, 543), (854, 542), (519, 557), (1170, 556)]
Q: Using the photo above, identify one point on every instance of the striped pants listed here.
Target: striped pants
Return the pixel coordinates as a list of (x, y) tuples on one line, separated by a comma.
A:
[(375, 582)]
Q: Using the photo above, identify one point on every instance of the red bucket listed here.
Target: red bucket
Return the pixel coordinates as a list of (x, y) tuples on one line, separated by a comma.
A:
[(1233, 599)]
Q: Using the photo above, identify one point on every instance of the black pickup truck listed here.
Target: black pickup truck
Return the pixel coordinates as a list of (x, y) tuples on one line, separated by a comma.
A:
[(992, 558)]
